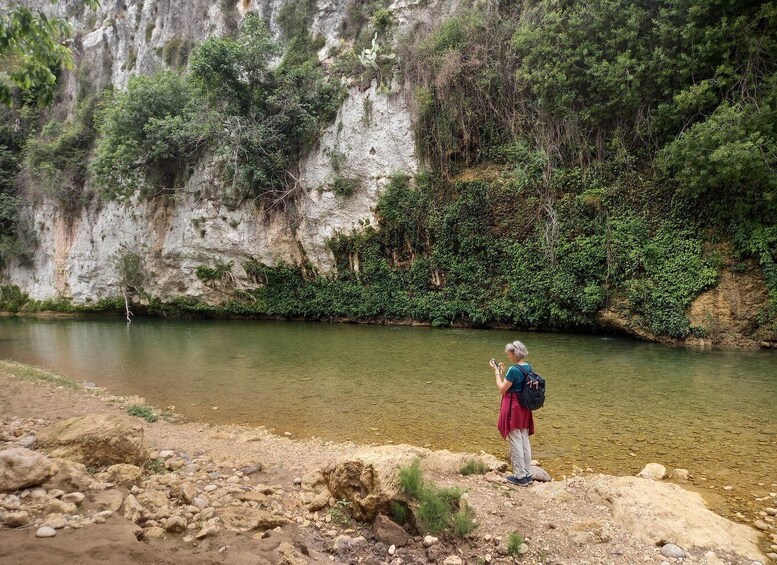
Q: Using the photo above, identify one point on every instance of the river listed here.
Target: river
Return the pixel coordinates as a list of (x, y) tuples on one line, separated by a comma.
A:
[(613, 404)]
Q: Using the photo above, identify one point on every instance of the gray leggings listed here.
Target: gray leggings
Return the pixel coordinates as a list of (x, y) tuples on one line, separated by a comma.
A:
[(520, 453)]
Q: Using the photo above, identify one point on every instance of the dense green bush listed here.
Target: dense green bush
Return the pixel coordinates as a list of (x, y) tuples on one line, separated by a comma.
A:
[(148, 135)]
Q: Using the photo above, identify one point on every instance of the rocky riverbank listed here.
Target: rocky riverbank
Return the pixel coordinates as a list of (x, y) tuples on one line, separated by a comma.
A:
[(81, 481)]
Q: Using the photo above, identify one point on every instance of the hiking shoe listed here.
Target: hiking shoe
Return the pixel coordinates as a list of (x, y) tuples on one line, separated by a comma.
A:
[(513, 480), (526, 481)]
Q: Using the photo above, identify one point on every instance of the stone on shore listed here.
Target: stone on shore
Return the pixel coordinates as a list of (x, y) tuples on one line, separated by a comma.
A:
[(539, 474), (100, 440), (657, 512), (45, 532), (72, 475), (15, 519), (672, 551), (121, 474), (21, 467), (239, 519), (653, 471), (389, 532)]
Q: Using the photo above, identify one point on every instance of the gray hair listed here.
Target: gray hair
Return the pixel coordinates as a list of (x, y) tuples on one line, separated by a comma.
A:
[(518, 349)]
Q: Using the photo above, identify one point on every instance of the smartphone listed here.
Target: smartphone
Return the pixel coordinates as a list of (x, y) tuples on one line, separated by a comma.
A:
[(494, 363)]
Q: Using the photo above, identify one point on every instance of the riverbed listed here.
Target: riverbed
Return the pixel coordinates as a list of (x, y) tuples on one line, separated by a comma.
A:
[(613, 404)]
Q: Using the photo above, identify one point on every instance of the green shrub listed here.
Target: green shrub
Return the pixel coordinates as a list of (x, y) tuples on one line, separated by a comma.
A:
[(474, 467), (147, 135), (434, 512), (514, 543), (463, 522), (399, 512), (58, 156), (143, 411), (219, 272), (411, 480), (345, 187)]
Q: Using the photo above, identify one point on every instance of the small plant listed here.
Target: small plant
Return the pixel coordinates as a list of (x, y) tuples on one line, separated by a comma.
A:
[(155, 466), (345, 187), (514, 543), (382, 19), (411, 481), (142, 411), (473, 467), (434, 511), (399, 512), (463, 522), (339, 513), (219, 272)]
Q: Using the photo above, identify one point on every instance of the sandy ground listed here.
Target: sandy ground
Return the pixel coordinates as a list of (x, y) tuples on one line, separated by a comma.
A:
[(561, 524)]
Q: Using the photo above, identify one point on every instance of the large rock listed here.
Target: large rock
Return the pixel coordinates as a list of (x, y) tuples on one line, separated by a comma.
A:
[(661, 513), (21, 467), (72, 475), (121, 474), (368, 478), (99, 440), (389, 532), (240, 519), (654, 471)]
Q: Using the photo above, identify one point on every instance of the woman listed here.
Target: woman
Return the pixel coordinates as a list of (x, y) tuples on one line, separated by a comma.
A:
[(515, 421)]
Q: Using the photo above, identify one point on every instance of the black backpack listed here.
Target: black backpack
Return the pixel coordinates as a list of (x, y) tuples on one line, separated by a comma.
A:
[(532, 395)]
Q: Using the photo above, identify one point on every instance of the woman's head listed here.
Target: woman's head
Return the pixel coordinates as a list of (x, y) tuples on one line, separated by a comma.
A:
[(516, 350)]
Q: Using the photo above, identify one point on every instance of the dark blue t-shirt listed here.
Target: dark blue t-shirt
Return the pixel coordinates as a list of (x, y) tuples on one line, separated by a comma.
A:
[(516, 376)]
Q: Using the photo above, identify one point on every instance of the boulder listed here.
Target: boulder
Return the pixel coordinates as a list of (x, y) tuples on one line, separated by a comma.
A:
[(21, 468), (389, 532), (654, 471), (99, 440), (175, 524), (15, 519), (240, 519), (539, 474), (72, 475), (368, 478), (659, 512), (108, 499), (121, 474)]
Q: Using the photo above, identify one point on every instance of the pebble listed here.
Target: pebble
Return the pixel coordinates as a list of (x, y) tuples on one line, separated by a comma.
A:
[(45, 532), (75, 497), (761, 525), (297, 480), (728, 488), (56, 493), (392, 549), (452, 560), (772, 556), (210, 488), (673, 551), (166, 454), (429, 541)]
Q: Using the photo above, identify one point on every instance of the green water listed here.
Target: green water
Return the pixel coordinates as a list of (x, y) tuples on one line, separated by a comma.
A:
[(613, 404)]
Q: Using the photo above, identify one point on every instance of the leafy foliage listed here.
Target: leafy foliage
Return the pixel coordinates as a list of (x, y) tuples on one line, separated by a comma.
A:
[(31, 53)]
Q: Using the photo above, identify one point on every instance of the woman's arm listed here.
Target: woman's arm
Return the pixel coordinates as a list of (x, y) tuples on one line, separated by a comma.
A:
[(501, 383)]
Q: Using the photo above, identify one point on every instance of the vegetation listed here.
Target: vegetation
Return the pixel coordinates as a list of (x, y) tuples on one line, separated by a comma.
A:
[(514, 543), (32, 51), (258, 120), (143, 411), (439, 510), (474, 467)]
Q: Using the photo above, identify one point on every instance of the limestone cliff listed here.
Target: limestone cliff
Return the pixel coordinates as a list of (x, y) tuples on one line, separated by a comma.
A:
[(73, 257)]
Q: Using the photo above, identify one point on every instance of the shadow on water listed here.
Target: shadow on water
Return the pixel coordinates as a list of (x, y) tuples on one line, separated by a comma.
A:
[(614, 404)]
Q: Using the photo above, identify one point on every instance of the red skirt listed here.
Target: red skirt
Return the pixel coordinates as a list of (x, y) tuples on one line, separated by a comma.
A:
[(513, 416)]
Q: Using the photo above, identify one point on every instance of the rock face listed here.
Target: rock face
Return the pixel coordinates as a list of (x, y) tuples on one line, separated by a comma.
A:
[(21, 467), (661, 513), (96, 439), (373, 132)]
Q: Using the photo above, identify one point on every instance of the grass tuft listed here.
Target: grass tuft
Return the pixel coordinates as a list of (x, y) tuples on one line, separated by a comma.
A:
[(463, 522), (143, 411), (474, 467), (411, 481), (514, 543)]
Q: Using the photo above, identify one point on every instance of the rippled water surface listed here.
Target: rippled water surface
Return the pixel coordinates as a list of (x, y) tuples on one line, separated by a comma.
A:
[(613, 404)]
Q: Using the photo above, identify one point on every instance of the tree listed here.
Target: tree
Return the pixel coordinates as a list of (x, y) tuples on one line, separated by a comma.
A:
[(32, 50)]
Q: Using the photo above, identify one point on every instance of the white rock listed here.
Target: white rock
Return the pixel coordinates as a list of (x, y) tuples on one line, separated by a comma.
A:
[(75, 497), (45, 532), (653, 471), (166, 454), (452, 560), (429, 541), (673, 551), (392, 549)]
